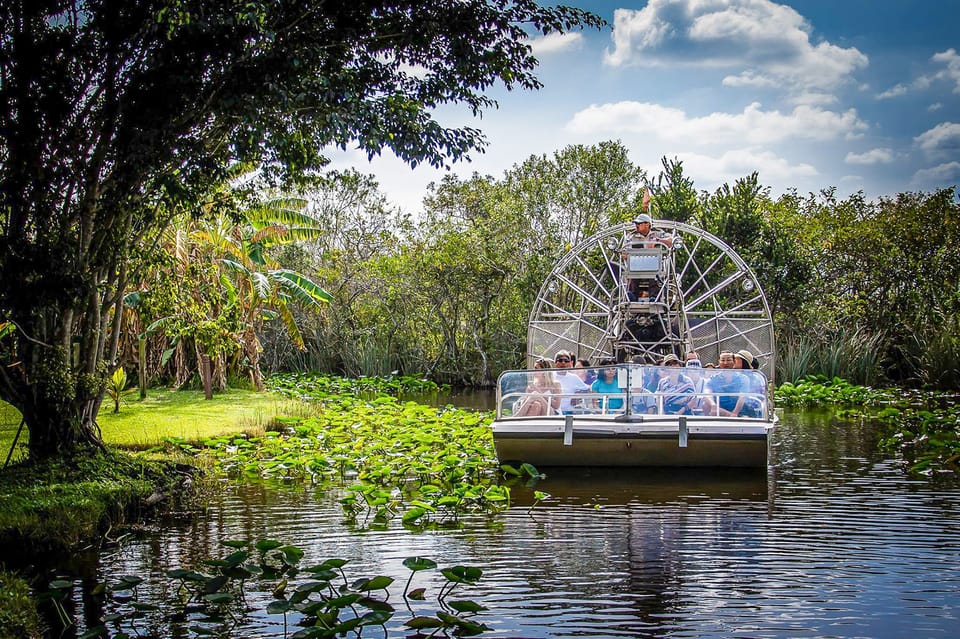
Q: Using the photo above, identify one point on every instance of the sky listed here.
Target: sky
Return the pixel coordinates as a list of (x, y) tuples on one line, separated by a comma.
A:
[(858, 95)]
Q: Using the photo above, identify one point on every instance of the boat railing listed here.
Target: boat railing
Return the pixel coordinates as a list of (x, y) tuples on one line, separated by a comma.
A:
[(518, 395)]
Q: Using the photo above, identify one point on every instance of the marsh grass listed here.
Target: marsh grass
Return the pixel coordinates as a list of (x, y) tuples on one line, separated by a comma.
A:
[(853, 356)]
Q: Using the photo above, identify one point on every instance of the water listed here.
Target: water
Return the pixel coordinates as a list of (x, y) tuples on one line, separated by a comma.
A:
[(831, 541)]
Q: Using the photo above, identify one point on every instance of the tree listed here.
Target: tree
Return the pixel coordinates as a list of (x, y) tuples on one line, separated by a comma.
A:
[(118, 115), (578, 191), (672, 195)]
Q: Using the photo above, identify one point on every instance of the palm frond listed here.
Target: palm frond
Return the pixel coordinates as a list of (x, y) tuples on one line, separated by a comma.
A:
[(236, 267), (301, 288), (261, 285), (291, 325)]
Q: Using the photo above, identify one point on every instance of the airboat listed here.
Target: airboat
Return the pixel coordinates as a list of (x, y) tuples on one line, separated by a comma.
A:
[(614, 298)]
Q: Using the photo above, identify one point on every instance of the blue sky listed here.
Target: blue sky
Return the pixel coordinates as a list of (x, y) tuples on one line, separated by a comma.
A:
[(861, 95)]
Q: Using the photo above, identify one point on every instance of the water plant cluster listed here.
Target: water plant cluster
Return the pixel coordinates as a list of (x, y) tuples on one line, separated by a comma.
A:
[(316, 386), (319, 598), (818, 390), (922, 426), (398, 458)]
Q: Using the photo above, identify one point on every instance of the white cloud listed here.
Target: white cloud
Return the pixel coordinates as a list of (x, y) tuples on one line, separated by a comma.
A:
[(752, 126), (555, 43), (940, 176), (873, 156), (710, 172), (769, 42), (943, 139), (936, 106), (952, 72), (893, 92)]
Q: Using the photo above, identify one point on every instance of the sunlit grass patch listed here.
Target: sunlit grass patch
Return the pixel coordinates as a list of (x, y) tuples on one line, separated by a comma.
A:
[(187, 415)]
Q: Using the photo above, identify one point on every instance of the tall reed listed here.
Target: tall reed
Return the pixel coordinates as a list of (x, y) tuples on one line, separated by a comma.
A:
[(851, 355)]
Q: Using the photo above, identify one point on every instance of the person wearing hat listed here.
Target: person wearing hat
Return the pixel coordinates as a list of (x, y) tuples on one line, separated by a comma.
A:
[(643, 235), (745, 360), (730, 386), (674, 388)]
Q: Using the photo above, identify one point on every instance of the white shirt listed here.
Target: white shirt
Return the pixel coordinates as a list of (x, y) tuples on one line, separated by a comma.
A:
[(570, 383)]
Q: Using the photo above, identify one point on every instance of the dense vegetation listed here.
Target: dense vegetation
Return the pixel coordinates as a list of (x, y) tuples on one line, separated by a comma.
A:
[(120, 117), (863, 290)]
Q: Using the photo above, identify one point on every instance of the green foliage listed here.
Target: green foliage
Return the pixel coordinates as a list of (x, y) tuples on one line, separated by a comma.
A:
[(312, 386), (412, 462), (171, 97), (117, 388), (851, 355), (18, 612), (922, 426), (672, 194), (59, 503), (816, 390)]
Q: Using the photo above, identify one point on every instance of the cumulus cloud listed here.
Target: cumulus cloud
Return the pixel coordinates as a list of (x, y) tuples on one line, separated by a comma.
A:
[(941, 140), (947, 174), (555, 43), (768, 43), (737, 163), (893, 92), (752, 126), (873, 156), (952, 72)]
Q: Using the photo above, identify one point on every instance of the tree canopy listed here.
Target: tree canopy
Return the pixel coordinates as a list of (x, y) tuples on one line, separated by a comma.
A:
[(118, 116)]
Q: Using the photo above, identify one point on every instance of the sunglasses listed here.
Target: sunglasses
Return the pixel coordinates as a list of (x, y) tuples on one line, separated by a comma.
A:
[(563, 359)]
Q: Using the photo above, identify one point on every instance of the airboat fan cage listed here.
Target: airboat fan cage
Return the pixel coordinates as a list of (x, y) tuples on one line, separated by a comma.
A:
[(702, 296)]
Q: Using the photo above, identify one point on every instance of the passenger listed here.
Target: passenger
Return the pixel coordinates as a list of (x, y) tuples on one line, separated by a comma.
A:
[(607, 385), (569, 383), (642, 400), (746, 361), (694, 372), (584, 372), (675, 389), (542, 386), (730, 386)]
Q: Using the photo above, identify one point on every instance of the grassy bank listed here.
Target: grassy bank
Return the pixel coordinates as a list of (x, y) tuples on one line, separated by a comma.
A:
[(143, 423), (64, 501)]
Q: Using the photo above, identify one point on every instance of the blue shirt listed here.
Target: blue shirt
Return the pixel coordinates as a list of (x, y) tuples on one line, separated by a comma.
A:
[(612, 388)]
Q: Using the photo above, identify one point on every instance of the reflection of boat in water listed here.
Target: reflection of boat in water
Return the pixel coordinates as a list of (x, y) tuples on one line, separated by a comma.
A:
[(612, 299), (609, 486)]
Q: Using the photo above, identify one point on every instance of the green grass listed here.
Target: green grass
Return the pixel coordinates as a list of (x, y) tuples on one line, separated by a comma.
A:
[(141, 424), (18, 613)]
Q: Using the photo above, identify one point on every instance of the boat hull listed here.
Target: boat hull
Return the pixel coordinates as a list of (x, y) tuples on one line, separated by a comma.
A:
[(663, 441)]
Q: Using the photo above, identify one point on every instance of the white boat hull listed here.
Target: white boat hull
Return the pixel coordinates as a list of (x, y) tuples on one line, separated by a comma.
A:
[(603, 440)]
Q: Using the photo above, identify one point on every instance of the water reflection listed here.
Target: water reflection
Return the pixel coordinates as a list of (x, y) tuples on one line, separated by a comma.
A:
[(833, 540)]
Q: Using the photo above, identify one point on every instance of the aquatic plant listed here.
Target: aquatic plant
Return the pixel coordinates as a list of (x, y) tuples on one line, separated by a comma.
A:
[(212, 600), (817, 390), (317, 386), (423, 464), (922, 426)]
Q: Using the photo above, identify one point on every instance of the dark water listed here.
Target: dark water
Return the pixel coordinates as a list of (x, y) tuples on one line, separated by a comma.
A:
[(831, 541)]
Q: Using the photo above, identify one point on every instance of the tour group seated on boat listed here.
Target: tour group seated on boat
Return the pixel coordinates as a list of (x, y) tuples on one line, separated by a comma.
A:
[(639, 392), (644, 415)]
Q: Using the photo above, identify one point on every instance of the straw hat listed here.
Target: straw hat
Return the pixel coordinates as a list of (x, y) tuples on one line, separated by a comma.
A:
[(747, 357), (669, 357)]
